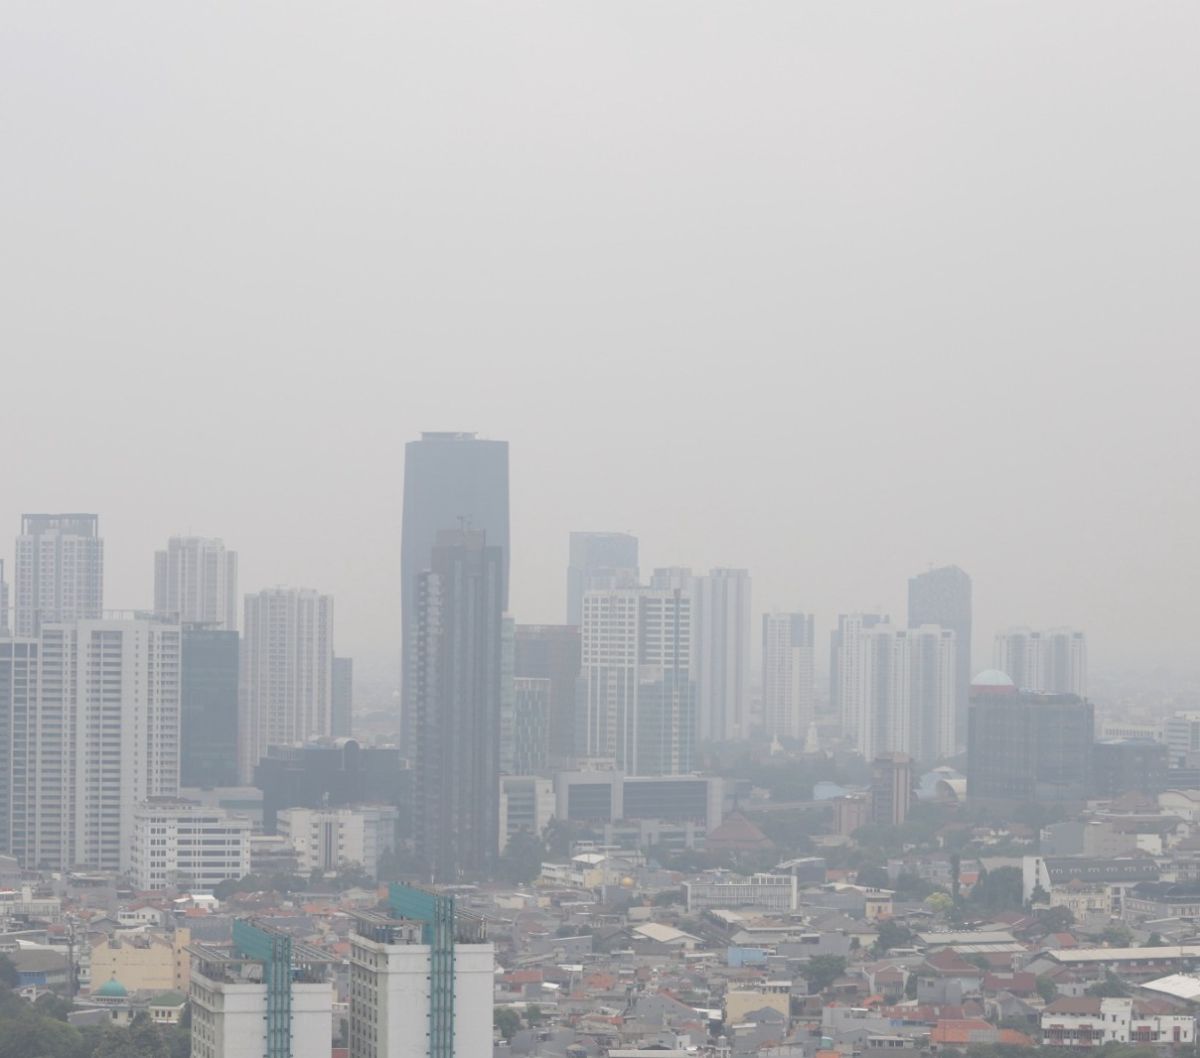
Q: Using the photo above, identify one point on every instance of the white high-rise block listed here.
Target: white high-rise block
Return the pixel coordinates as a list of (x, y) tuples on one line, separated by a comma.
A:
[(286, 672), (721, 661), (195, 581), (59, 572), (787, 674), (1049, 662)]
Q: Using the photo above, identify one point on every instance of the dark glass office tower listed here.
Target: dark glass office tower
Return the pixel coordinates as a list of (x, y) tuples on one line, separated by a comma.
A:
[(599, 560), (209, 707), (451, 481), (455, 683), (943, 597)]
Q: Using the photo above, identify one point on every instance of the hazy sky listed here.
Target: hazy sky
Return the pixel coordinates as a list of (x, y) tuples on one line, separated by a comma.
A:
[(830, 291)]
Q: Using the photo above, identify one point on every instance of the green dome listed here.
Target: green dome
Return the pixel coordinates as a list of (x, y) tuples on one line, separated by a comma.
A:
[(112, 989)]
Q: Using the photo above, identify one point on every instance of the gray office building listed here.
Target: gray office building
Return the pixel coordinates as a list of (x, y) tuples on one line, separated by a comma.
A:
[(943, 597), (552, 652), (451, 481), (455, 685), (208, 702), (599, 560)]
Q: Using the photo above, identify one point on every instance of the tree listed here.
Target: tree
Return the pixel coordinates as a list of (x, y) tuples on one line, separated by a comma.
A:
[(998, 890), (1111, 987), (1118, 935), (822, 970), (1046, 988), (521, 861), (1155, 940), (533, 1015), (1056, 919), (507, 1021), (939, 902), (9, 978), (54, 1006), (875, 877), (892, 934)]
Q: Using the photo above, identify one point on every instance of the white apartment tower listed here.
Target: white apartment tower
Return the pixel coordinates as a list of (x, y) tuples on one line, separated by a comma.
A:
[(721, 659), (327, 839), (94, 731), (1050, 662), (195, 581), (636, 701), (787, 674), (421, 981), (59, 572), (896, 688), (286, 672)]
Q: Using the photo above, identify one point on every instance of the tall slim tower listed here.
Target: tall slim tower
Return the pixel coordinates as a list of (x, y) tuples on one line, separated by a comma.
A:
[(286, 672), (92, 729), (195, 582), (552, 652), (451, 481), (599, 560), (637, 702), (787, 674), (209, 706), (59, 571), (455, 670), (943, 597), (721, 658)]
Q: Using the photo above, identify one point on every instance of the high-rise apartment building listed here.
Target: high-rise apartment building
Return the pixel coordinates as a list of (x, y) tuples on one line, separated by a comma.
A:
[(195, 582), (451, 481), (942, 597), (342, 690), (552, 652), (421, 980), (896, 688), (787, 674), (286, 672), (1050, 662), (91, 721), (636, 699), (270, 997), (456, 685), (1026, 746), (599, 561), (721, 654), (209, 707), (59, 574)]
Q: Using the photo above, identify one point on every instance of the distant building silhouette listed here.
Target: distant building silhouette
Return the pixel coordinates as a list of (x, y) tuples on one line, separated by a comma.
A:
[(208, 735), (552, 652), (342, 690), (1050, 662), (599, 560), (891, 788), (943, 597), (787, 674), (451, 481), (721, 654)]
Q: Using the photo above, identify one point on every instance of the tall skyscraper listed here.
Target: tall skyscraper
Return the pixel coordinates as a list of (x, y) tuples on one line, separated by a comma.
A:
[(1052, 662), (342, 689), (451, 481), (599, 560), (552, 652), (896, 687), (456, 684), (721, 654), (59, 572), (787, 674), (636, 699), (286, 672), (195, 582), (4, 618), (943, 597), (209, 707), (422, 977), (1026, 746), (92, 722)]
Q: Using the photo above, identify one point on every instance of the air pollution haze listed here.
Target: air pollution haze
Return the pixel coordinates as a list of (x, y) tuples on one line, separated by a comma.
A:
[(828, 292)]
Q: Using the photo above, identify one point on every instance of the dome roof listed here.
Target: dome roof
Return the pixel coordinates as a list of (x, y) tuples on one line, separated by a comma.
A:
[(992, 678), (112, 989)]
